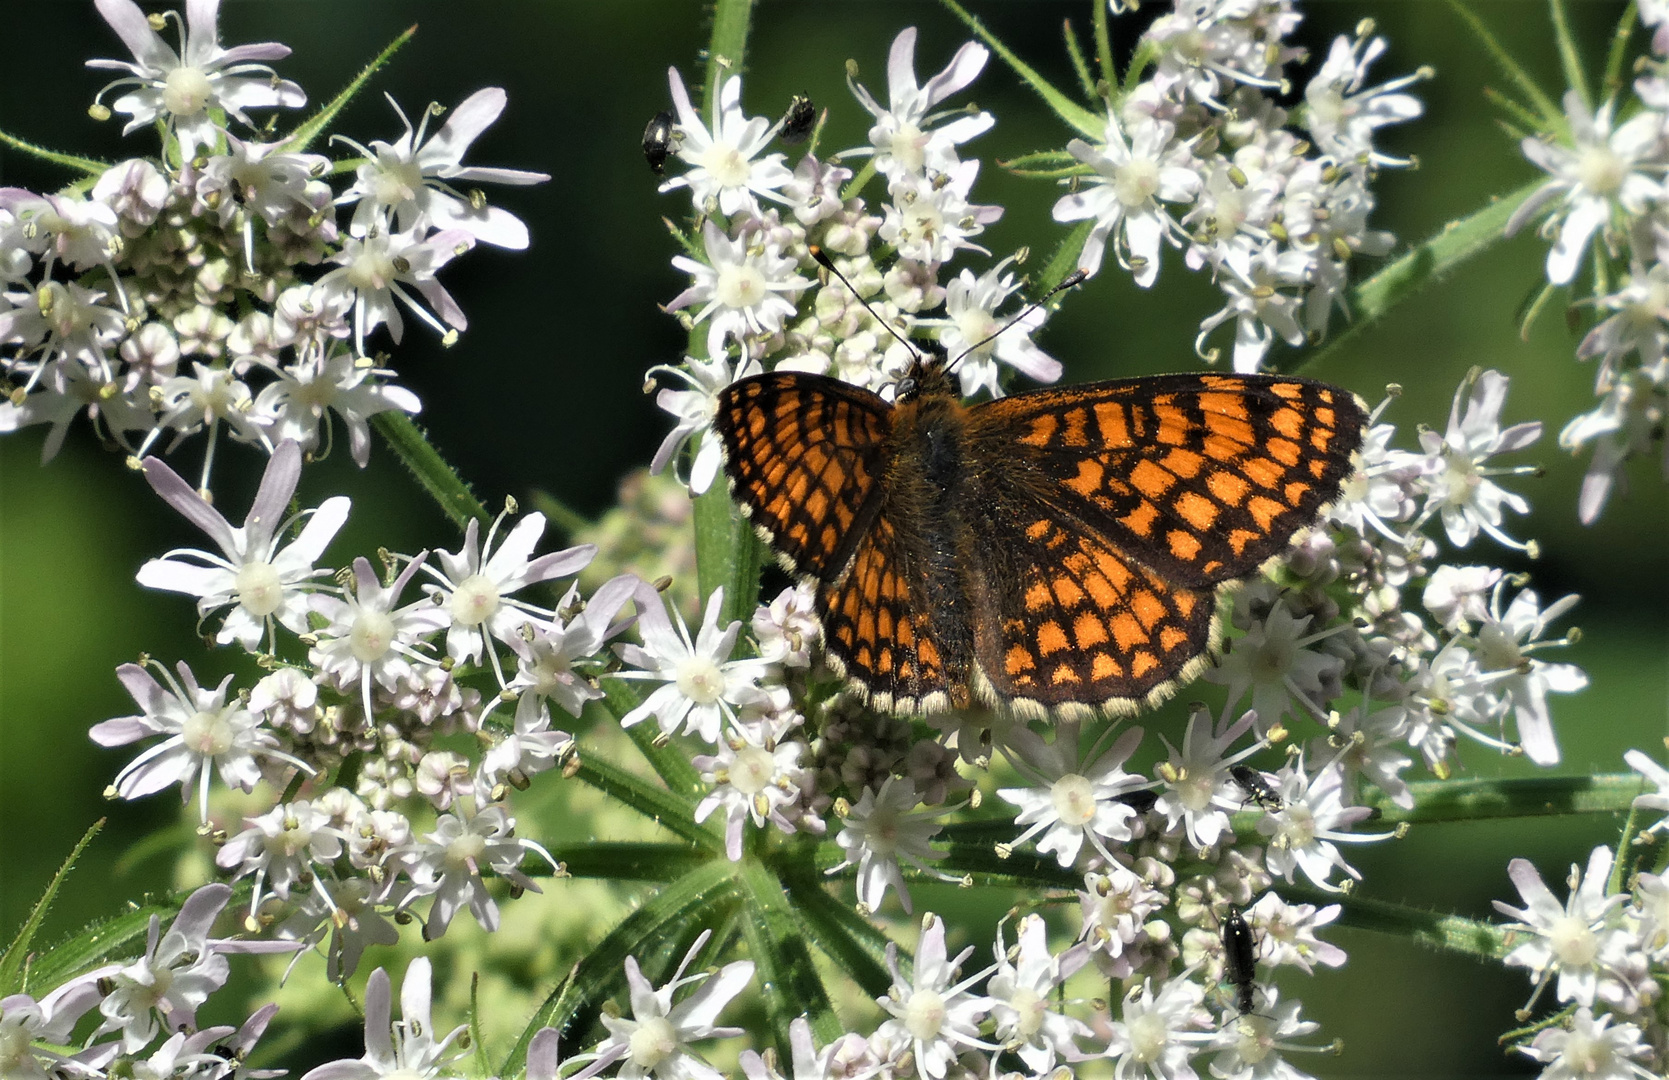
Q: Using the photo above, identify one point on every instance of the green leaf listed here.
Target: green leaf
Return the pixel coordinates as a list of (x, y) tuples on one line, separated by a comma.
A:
[(692, 901), (12, 960), (1064, 260), (787, 978), (438, 478), (1021, 870), (1091, 125), (670, 763), (620, 860), (1104, 46), (726, 554), (855, 945), (1614, 60), (658, 805), (1553, 117), (1046, 165), (86, 166), (1080, 63), (1451, 246), (311, 128)]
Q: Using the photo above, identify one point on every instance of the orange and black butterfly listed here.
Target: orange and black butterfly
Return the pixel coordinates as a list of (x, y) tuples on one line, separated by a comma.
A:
[(1057, 551)]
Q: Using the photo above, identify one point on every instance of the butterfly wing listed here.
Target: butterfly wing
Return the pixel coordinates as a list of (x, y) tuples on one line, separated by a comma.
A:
[(878, 630), (1198, 477), (804, 456)]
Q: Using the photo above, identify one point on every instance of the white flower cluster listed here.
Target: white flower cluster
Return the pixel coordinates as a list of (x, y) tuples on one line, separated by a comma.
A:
[(211, 288), (1199, 156), (148, 1004), (363, 666), (1606, 195)]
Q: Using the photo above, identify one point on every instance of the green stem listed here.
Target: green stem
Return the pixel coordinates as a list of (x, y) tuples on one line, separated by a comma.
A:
[(1569, 58), (311, 128), (83, 165), (726, 51), (1446, 933), (1104, 47), (1613, 78), (1451, 246), (788, 979), (1474, 800), (438, 478)]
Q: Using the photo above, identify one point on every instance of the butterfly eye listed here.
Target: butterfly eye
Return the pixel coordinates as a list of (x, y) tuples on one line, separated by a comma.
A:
[(907, 387)]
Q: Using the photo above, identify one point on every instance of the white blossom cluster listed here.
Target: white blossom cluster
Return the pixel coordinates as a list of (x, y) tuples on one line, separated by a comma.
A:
[(1200, 156), (212, 288), (1605, 203), (1604, 953)]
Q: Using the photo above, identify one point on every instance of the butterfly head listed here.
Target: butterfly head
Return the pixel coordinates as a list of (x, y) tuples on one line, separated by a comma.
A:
[(928, 374)]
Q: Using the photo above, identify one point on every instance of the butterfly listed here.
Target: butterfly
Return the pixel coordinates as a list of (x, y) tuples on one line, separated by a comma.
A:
[(1059, 552)]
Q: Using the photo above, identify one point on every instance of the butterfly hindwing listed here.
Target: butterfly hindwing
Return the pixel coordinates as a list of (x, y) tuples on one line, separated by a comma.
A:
[(1198, 477), (803, 453), (879, 633)]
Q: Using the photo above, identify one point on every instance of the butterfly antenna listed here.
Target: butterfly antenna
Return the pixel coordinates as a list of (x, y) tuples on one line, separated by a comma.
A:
[(827, 263), (1072, 280)]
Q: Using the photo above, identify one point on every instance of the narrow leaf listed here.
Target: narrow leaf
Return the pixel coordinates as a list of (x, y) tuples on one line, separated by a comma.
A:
[(1614, 60), (670, 763), (855, 945), (1446, 933), (1080, 63), (311, 128), (1533, 796), (787, 978), (12, 961), (1104, 46), (620, 860), (1065, 258), (1089, 124), (1552, 117), (438, 478), (1569, 58), (691, 901), (662, 807), (1451, 246)]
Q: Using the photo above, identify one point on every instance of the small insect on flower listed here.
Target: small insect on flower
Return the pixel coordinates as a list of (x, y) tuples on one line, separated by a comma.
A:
[(658, 138), (1257, 789), (796, 124), (1240, 960)]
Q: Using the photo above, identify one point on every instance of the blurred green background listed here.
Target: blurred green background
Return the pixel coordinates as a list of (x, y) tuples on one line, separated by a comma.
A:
[(544, 392)]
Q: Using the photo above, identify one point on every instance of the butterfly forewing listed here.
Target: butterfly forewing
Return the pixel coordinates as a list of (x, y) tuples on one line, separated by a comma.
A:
[(802, 452), (1199, 477)]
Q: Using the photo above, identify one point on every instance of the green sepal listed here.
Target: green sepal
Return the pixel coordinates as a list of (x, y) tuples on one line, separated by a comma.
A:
[(13, 976), (1046, 165), (787, 979), (439, 479), (1091, 125), (694, 900), (311, 128), (86, 166), (1553, 117)]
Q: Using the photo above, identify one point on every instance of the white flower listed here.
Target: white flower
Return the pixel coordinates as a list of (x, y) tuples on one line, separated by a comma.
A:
[(1459, 595), (281, 848), (1590, 1049), (366, 638), (1597, 176), (1199, 792), (552, 656), (203, 730), (752, 779), (1130, 179), (902, 138), (1251, 279), (970, 334), (379, 268), (62, 400), (1021, 993), (883, 829), (655, 1040), (702, 686), (1116, 906), (349, 917), (1637, 326), (1457, 484), (1305, 831), (68, 323), (266, 582), (748, 288), (1504, 644), (448, 862), (475, 592), (1069, 802), (1581, 939), (1657, 800), (1286, 933), (186, 88), (722, 170), (1627, 422), (303, 395), (25, 1022), (1274, 661), (695, 409), (1157, 1036), (408, 1049), (787, 628), (407, 181), (1250, 1044), (847, 1058), (934, 1011), (1342, 116), (531, 748), (929, 221)]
